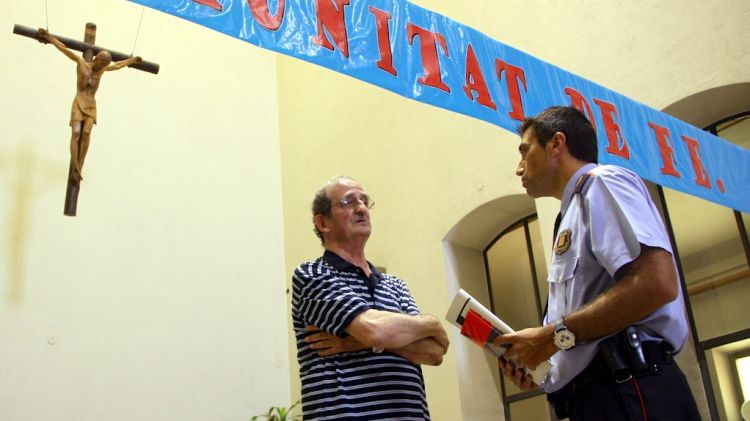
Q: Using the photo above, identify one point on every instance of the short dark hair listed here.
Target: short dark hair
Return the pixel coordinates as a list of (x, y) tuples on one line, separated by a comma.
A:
[(321, 204), (580, 134)]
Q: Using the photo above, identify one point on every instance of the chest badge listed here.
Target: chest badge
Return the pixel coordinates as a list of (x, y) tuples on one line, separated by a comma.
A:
[(563, 242)]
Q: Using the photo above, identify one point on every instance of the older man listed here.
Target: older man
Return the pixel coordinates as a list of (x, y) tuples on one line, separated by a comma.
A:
[(360, 337)]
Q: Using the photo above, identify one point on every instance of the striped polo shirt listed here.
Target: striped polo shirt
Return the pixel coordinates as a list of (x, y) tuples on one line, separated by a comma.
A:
[(329, 293)]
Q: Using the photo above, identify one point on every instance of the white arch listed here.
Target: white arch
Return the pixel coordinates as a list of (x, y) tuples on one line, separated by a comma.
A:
[(478, 377), (711, 105)]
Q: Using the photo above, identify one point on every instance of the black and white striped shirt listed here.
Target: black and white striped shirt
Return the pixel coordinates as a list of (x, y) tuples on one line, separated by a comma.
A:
[(329, 293)]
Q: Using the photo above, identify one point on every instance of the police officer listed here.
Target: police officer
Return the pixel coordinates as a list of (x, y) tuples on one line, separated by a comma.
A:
[(615, 312)]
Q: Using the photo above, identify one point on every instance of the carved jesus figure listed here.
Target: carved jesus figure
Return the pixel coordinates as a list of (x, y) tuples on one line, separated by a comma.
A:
[(83, 110)]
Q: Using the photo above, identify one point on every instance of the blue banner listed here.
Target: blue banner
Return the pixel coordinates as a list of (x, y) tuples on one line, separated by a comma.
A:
[(422, 55)]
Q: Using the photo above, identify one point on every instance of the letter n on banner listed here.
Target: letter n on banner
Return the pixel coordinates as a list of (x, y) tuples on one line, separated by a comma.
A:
[(331, 18)]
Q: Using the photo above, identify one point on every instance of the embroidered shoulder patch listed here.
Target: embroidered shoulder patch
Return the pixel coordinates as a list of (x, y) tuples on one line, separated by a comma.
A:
[(563, 242)]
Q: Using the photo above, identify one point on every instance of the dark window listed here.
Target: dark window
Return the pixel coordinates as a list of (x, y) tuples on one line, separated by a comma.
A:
[(711, 244), (517, 282)]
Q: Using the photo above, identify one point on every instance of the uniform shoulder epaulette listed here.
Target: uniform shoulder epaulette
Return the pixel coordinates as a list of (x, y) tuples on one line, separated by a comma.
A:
[(581, 182)]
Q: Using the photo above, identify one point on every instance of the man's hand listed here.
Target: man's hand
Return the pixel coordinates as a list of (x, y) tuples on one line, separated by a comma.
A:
[(442, 338), (529, 346), (517, 375), (327, 344)]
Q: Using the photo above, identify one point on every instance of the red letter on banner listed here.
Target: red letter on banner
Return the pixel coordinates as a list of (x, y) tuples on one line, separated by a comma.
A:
[(664, 140), (331, 17), (701, 175), (578, 101), (264, 17), (214, 4), (512, 74), (614, 135), (384, 40), (430, 63), (475, 81)]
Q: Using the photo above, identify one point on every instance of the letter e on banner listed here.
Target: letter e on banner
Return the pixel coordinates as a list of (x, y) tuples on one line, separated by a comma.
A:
[(614, 134)]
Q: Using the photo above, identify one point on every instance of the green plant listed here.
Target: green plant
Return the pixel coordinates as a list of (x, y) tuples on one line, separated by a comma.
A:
[(279, 413)]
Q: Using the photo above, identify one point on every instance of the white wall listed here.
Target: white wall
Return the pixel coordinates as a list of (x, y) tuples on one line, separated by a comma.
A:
[(164, 299)]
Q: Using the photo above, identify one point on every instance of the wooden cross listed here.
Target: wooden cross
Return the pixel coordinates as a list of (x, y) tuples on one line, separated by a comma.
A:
[(90, 50)]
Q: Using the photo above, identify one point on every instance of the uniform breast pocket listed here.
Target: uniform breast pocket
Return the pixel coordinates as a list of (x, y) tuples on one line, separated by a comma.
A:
[(560, 281)]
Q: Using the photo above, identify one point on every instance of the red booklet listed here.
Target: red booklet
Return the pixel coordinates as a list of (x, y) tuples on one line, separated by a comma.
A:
[(482, 327)]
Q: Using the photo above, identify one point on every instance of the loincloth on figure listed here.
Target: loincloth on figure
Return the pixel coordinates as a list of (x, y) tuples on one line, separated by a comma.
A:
[(80, 112)]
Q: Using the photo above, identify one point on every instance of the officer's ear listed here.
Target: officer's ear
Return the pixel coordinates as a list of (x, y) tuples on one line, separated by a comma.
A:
[(557, 144)]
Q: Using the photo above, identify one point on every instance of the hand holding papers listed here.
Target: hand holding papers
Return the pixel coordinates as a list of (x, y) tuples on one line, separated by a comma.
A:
[(481, 326)]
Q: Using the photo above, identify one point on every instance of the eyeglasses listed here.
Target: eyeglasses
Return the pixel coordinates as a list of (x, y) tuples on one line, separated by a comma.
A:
[(352, 200)]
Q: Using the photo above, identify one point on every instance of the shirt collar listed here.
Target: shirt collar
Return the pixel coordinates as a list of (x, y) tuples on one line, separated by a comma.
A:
[(340, 263), (570, 186)]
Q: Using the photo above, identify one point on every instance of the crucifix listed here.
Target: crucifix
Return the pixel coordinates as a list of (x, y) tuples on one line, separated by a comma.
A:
[(89, 70)]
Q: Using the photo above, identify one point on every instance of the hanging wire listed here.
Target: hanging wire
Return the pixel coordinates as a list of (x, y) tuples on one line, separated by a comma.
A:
[(46, 16), (138, 31)]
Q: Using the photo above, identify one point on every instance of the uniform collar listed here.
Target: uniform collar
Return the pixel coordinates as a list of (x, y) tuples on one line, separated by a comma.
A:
[(570, 186)]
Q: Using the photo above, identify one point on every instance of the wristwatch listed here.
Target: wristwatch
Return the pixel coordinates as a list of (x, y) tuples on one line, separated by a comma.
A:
[(564, 339)]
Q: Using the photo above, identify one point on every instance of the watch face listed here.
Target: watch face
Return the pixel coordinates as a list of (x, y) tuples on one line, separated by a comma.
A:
[(565, 339)]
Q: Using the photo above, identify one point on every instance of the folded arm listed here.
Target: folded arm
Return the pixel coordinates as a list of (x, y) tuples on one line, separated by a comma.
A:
[(384, 329), (420, 339), (426, 351)]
